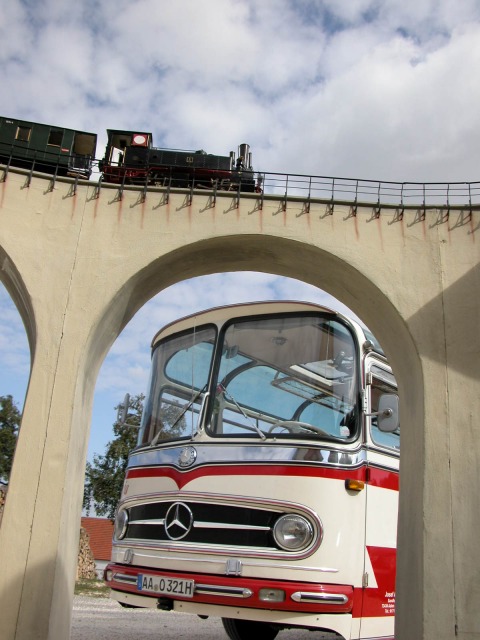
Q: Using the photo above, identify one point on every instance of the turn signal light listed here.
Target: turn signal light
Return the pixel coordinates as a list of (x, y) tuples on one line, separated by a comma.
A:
[(354, 485)]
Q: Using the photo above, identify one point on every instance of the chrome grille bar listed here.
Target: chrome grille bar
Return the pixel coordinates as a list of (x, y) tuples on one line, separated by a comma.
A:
[(325, 598), (232, 592), (226, 525), (206, 525)]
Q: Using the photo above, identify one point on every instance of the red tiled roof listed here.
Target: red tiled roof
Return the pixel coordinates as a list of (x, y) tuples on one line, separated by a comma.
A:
[(100, 531)]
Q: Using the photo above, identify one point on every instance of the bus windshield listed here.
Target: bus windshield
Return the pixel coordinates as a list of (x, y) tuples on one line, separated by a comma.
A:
[(179, 379), (286, 376), (283, 376)]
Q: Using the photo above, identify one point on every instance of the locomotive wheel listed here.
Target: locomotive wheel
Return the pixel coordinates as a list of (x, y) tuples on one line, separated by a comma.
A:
[(248, 629)]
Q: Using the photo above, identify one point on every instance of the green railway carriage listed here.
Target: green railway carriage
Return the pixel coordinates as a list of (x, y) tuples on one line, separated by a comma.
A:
[(46, 148)]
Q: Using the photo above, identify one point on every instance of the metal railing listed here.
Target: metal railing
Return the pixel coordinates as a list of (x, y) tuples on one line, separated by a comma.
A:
[(334, 190), (377, 193)]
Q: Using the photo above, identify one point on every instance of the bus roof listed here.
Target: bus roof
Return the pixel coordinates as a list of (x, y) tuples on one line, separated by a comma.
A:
[(218, 315)]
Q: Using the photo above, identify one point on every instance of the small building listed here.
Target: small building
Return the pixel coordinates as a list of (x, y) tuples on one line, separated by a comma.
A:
[(100, 531)]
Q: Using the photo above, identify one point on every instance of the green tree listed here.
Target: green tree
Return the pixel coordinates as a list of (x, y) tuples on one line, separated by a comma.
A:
[(104, 476), (9, 424)]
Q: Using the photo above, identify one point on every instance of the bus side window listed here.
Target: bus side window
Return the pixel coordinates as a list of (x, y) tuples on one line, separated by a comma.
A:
[(391, 440)]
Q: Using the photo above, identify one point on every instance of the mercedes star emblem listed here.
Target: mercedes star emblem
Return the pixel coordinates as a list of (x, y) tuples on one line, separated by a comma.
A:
[(178, 521), (187, 456)]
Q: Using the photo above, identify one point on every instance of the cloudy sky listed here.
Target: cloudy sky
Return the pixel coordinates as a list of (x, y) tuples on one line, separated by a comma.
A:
[(372, 89)]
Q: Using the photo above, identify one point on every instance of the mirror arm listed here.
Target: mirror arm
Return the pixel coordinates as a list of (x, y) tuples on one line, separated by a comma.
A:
[(387, 413)]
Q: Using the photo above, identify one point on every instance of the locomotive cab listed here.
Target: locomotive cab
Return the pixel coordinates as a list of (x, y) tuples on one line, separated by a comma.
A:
[(119, 142)]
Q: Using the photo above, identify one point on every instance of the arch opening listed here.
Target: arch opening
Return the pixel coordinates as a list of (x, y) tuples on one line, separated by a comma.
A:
[(328, 273), (278, 256), (17, 346), (126, 366)]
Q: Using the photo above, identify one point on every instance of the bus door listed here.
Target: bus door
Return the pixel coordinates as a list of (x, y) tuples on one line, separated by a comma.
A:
[(383, 453)]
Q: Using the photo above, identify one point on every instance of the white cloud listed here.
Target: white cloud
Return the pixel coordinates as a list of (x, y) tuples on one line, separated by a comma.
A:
[(371, 89), (357, 89)]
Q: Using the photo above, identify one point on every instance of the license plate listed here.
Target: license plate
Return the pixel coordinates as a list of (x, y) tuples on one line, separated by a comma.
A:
[(161, 584)]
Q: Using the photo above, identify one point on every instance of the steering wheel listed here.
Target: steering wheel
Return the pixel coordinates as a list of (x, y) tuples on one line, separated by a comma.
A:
[(294, 426)]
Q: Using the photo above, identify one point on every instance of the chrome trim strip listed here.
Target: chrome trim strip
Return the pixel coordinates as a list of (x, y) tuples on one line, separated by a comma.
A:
[(232, 592), (122, 577), (227, 525), (202, 497), (206, 525), (211, 452), (325, 598), (140, 551), (213, 549), (264, 565)]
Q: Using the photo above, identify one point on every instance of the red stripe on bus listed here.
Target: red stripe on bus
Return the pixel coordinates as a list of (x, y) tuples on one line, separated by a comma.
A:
[(383, 478), (378, 601), (378, 477)]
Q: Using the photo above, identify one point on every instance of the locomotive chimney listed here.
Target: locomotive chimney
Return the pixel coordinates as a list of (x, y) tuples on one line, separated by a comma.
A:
[(244, 151)]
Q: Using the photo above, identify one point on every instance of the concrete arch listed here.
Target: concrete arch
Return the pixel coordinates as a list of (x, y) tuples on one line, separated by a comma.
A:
[(14, 284), (404, 276), (290, 258)]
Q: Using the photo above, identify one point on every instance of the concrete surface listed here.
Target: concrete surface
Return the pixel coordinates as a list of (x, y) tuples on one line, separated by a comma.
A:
[(79, 262), (105, 619)]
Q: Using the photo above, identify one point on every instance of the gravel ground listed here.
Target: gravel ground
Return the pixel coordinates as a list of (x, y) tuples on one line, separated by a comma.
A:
[(104, 619)]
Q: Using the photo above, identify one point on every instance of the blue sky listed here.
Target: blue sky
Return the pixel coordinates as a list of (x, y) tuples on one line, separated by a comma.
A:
[(383, 90)]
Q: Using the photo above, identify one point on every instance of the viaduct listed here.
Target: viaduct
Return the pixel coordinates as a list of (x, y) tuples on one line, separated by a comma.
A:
[(79, 259)]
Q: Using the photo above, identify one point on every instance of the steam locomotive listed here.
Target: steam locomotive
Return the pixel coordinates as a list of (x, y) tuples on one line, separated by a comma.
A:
[(130, 158)]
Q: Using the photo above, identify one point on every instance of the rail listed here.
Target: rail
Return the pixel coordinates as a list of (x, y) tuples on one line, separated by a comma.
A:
[(329, 189)]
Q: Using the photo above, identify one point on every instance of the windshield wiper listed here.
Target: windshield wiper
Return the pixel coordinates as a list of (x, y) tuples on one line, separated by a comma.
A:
[(247, 417), (180, 415)]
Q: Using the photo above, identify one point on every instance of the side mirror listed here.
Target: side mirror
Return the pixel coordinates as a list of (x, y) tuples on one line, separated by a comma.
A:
[(123, 408), (388, 413)]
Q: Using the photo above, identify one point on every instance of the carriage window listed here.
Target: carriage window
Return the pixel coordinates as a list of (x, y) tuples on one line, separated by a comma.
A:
[(23, 134), (55, 138)]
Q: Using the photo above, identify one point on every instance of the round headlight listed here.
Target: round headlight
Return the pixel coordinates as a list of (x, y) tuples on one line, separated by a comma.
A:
[(121, 524), (293, 532)]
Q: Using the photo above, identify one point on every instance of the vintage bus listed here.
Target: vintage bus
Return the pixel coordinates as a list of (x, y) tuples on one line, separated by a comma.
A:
[(264, 486)]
